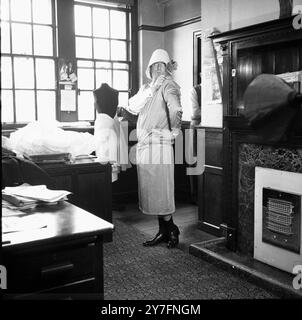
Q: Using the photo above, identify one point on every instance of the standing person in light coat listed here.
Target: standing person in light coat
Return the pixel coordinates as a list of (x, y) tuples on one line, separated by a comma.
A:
[(159, 120)]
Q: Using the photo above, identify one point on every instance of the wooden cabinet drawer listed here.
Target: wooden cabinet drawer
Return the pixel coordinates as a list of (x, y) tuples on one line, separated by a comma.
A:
[(79, 290), (45, 269)]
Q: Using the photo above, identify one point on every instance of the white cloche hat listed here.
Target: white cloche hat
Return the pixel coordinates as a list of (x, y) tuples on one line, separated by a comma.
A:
[(159, 55)]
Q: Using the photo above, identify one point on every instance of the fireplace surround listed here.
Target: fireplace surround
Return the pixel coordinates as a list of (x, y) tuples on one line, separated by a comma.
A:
[(251, 156)]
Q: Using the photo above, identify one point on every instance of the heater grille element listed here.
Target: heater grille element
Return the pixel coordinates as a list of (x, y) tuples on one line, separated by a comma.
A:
[(280, 206), (281, 219)]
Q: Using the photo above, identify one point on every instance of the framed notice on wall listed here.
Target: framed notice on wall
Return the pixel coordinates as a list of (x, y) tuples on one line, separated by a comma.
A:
[(211, 86), (211, 107), (68, 100)]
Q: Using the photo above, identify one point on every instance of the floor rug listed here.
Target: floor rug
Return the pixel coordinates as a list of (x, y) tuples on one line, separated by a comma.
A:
[(134, 272)]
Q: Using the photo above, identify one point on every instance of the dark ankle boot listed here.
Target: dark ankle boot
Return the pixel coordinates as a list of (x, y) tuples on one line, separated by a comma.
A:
[(173, 234), (161, 236)]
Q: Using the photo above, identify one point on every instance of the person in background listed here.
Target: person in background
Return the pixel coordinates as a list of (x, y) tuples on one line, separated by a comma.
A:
[(159, 111), (195, 98)]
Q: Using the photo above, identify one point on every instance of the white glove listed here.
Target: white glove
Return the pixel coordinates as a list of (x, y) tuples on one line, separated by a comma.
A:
[(157, 84)]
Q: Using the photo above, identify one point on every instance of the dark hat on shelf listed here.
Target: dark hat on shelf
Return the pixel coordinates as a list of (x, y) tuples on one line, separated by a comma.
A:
[(270, 106)]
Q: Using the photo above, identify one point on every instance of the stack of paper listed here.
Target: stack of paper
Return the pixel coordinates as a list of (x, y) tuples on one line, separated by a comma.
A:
[(27, 196)]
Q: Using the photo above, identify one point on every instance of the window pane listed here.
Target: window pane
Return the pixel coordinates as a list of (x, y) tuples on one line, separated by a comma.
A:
[(42, 11), (86, 106), (7, 111), (118, 50), (106, 65), (46, 103), (25, 106), (120, 80), (118, 24), (123, 99), (85, 79), (43, 41), (5, 41), (103, 76), (83, 63), (4, 9), (45, 73), (100, 22), (82, 18), (83, 47), (101, 49), (24, 73), (117, 65), (6, 72), (21, 10), (22, 41)]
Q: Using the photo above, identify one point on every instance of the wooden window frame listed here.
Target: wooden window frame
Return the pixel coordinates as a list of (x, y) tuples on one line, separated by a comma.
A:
[(196, 57), (58, 53)]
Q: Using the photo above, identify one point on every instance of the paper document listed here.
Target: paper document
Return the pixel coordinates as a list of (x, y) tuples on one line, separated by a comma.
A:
[(39, 193), (68, 100), (11, 206), (15, 224), (7, 212)]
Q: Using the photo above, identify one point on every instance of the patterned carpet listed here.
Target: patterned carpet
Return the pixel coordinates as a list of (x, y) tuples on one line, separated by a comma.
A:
[(133, 272)]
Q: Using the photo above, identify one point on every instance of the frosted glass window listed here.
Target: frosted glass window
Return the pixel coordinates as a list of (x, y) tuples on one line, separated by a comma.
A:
[(6, 72), (83, 63), (100, 22), (83, 47), (22, 40), (118, 24), (105, 65), (118, 50), (46, 104), (25, 105), (45, 73), (21, 10), (120, 80), (24, 73), (7, 111), (101, 49), (117, 65), (86, 79), (5, 40), (42, 11), (123, 99), (82, 17), (86, 106), (4, 10), (43, 41), (103, 76)]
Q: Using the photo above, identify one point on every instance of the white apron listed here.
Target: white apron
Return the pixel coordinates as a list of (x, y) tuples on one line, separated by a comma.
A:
[(111, 145)]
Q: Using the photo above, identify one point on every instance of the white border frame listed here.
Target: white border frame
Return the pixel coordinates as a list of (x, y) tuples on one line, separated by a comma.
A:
[(289, 182)]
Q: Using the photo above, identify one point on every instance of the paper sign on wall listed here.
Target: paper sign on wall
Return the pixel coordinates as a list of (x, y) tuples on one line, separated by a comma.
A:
[(68, 100)]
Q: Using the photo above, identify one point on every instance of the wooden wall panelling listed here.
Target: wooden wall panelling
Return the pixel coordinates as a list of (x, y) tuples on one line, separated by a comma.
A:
[(210, 184)]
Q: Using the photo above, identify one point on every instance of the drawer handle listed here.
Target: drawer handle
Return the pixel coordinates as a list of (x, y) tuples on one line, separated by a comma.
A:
[(63, 267)]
